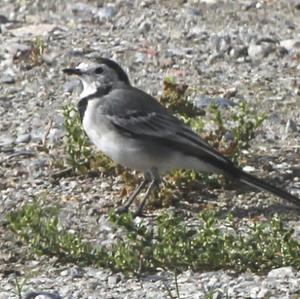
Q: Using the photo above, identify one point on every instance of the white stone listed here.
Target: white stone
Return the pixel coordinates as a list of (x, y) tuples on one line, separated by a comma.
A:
[(283, 272), (263, 293), (290, 44)]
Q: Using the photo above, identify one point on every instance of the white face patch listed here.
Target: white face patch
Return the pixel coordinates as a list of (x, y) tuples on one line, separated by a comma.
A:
[(88, 89), (83, 66)]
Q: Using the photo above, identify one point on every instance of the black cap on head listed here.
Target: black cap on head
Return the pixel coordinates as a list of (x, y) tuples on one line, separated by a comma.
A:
[(116, 67)]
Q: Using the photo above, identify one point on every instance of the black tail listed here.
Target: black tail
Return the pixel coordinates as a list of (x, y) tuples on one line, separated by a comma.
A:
[(264, 186)]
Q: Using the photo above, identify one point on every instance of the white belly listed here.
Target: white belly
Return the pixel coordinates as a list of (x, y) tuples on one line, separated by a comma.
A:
[(121, 149)]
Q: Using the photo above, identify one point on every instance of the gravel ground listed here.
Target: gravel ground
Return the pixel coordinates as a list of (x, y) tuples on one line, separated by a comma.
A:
[(251, 47)]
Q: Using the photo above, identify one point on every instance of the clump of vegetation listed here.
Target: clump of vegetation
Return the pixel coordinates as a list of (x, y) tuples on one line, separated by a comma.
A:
[(34, 56), (176, 247), (246, 121), (175, 99), (37, 50), (19, 286), (38, 226), (243, 124), (77, 145), (172, 245)]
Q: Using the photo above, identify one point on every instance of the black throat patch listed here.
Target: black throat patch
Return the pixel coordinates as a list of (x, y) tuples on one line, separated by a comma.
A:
[(82, 104)]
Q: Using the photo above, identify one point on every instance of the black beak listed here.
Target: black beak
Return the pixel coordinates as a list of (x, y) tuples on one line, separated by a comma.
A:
[(72, 71)]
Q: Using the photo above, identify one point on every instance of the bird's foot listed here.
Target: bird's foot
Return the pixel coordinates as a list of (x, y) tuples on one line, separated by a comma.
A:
[(139, 210), (138, 213), (122, 209)]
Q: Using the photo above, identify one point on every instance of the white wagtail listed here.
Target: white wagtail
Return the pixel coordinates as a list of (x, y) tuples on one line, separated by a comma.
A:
[(135, 130)]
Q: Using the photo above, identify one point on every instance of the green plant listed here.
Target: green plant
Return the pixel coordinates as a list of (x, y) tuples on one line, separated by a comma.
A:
[(247, 121), (174, 97), (77, 145), (172, 245), (243, 124), (19, 286), (38, 226), (34, 56), (37, 50), (209, 294)]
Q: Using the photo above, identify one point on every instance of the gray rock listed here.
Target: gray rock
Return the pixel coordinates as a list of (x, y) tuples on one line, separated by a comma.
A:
[(213, 283), (294, 285), (18, 50), (260, 51), (37, 135), (42, 295), (282, 273), (83, 10), (175, 52), (3, 19), (49, 57), (106, 13), (113, 280), (55, 135), (248, 290), (6, 139), (140, 57), (213, 58), (220, 102), (33, 30), (250, 5), (210, 2), (23, 138), (223, 43), (291, 44), (144, 27), (198, 32), (35, 167), (7, 79), (73, 272), (290, 127), (239, 51), (193, 12), (263, 293)]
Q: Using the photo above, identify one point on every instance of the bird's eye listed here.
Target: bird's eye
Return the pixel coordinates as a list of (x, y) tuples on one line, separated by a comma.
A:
[(99, 70)]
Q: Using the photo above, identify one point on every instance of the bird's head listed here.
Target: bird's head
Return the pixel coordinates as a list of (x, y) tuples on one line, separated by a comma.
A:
[(98, 74)]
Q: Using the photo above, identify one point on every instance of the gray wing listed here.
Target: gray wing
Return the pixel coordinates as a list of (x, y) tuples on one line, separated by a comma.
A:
[(145, 118)]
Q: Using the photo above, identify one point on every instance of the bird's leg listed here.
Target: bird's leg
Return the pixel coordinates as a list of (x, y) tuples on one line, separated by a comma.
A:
[(126, 205), (154, 184)]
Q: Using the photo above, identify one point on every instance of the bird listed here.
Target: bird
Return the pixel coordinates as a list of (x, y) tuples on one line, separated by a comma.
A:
[(136, 131)]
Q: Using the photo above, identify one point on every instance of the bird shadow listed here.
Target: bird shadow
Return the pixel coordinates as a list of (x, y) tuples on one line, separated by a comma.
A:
[(258, 211), (208, 199)]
